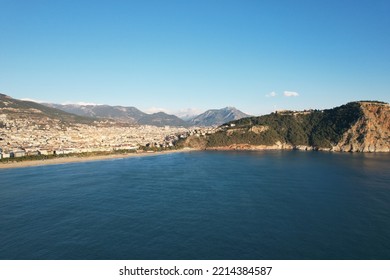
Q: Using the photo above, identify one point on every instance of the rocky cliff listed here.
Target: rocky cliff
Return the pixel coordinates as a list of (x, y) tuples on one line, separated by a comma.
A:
[(370, 133)]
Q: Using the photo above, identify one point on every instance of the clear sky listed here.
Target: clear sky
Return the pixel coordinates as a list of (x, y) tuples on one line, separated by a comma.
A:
[(196, 54)]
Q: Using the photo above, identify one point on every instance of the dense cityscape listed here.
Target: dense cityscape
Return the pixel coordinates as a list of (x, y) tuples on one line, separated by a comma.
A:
[(22, 137)]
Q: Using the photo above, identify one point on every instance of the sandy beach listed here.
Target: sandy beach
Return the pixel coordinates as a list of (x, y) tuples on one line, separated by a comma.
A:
[(74, 159)]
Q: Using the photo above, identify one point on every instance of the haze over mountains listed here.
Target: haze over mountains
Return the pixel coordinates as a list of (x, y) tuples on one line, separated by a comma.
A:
[(133, 115)]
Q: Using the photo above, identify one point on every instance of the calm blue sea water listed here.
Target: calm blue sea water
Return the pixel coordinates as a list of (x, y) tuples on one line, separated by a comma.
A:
[(201, 205)]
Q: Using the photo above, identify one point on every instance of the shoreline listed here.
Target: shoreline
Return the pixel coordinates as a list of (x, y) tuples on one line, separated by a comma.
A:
[(76, 159)]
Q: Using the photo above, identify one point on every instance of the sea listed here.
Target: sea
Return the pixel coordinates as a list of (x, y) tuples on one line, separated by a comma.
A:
[(208, 205)]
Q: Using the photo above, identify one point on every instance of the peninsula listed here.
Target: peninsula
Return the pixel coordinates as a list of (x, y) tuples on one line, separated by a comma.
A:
[(362, 126)]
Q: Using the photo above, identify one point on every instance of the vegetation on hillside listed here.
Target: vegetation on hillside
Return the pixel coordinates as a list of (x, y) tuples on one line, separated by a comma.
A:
[(315, 128)]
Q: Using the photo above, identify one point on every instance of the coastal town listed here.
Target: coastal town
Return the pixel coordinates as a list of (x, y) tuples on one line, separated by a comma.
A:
[(21, 137), (29, 129)]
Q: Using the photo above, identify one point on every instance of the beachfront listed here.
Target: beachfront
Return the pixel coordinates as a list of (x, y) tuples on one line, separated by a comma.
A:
[(74, 159)]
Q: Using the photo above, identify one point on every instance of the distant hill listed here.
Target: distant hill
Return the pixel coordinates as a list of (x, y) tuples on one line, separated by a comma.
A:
[(35, 113), (217, 117), (355, 127), (127, 114)]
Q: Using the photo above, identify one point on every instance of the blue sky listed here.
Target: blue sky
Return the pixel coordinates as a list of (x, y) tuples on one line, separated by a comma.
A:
[(199, 54)]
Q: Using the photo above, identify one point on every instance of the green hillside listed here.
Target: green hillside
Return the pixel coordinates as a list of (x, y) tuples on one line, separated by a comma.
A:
[(311, 128)]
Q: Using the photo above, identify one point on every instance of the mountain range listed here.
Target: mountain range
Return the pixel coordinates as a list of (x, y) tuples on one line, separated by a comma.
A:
[(134, 116), (35, 113), (74, 113)]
